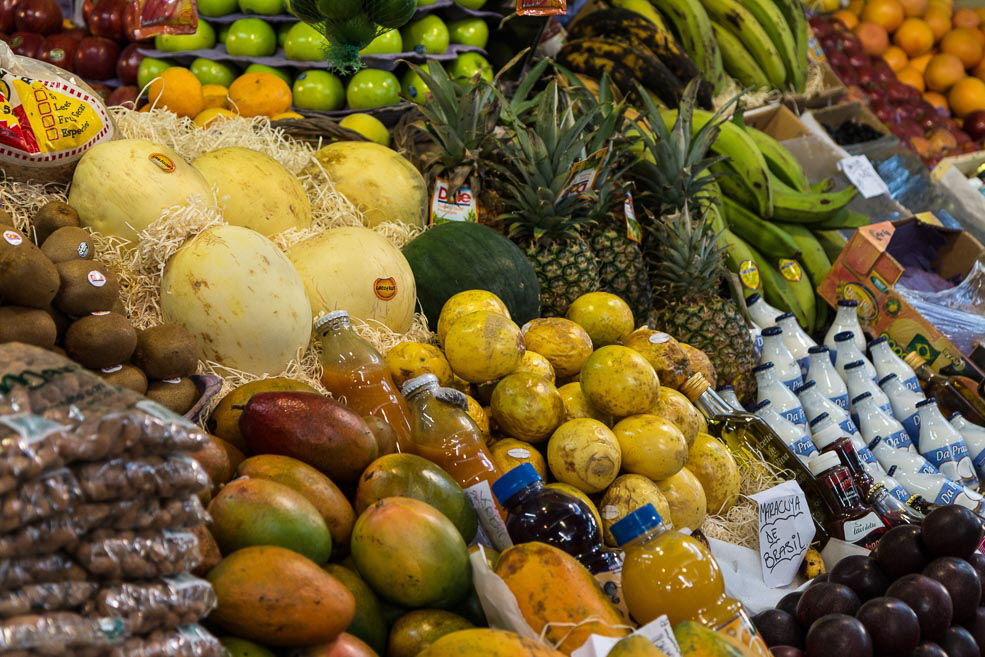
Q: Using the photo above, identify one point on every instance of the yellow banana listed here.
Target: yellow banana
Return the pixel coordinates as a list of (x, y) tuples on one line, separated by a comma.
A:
[(693, 26), (812, 254), (780, 293), (645, 9), (738, 61), (734, 17)]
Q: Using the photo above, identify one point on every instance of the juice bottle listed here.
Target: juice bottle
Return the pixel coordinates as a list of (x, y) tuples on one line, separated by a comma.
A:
[(876, 422), (667, 572), (850, 520), (824, 375), (887, 362), (769, 387), (942, 445), (796, 339), (955, 394), (355, 370), (727, 393), (443, 433), (775, 351), (826, 432), (974, 438), (795, 436), (846, 351), (904, 402), (846, 319)]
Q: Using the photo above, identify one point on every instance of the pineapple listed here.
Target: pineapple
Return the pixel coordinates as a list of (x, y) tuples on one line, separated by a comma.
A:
[(547, 227)]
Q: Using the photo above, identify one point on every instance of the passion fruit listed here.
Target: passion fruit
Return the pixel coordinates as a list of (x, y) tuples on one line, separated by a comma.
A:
[(663, 352), (483, 346), (585, 454), (463, 303), (527, 406), (605, 317), (618, 380), (564, 343)]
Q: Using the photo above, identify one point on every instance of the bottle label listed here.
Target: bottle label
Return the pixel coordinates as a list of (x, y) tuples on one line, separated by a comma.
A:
[(611, 583), (848, 426), (740, 630), (979, 463), (928, 468), (841, 400), (804, 447), (793, 384), (898, 439), (805, 364), (795, 415), (481, 497), (913, 383), (900, 493), (912, 426), (864, 531), (948, 493), (947, 454), (866, 455)]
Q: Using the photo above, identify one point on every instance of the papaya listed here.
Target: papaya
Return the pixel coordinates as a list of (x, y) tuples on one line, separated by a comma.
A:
[(409, 475), (533, 571), (224, 420), (237, 647), (368, 623), (418, 629), (344, 645), (278, 598), (482, 642), (696, 640), (314, 485), (261, 512), (635, 646), (489, 554), (411, 554)]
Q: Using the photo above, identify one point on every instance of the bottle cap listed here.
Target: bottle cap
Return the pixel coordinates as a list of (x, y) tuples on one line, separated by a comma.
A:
[(636, 524), (772, 330), (329, 317), (875, 443), (824, 436), (886, 379), (847, 303), (752, 298), (854, 364), (784, 317), (892, 471), (762, 368), (805, 386), (514, 481), (413, 385), (862, 397), (823, 463), (725, 388), (881, 339), (844, 336), (761, 405), (926, 402), (695, 386), (819, 419), (955, 414), (818, 349)]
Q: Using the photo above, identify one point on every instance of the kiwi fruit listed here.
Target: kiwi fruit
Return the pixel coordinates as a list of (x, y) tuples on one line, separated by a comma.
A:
[(27, 276), (101, 340), (27, 325), (126, 376), (86, 287), (61, 322), (52, 216), (68, 243), (166, 351), (176, 395)]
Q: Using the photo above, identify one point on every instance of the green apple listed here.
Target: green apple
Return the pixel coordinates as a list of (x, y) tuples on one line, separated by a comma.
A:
[(387, 43), (372, 87), (428, 35), (282, 30), (469, 64), (223, 32), (413, 87), (368, 126), (469, 32), (263, 68), (470, 4), (251, 37), (149, 69), (318, 90), (209, 71), (265, 7), (305, 44), (202, 39), (215, 8)]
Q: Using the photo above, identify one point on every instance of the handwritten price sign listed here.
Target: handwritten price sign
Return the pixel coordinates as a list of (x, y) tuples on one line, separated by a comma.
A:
[(785, 532)]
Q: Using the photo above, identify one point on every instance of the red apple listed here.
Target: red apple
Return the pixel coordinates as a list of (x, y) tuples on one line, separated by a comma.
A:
[(59, 50), (41, 16), (8, 8), (908, 130), (127, 64), (96, 58), (105, 19), (125, 96), (77, 33), (974, 125), (27, 44)]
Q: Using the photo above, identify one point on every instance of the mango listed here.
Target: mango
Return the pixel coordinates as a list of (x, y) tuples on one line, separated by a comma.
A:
[(368, 624), (409, 475), (482, 642), (386, 437), (277, 597), (314, 486), (344, 645), (312, 428), (224, 420), (411, 554), (418, 629), (261, 512)]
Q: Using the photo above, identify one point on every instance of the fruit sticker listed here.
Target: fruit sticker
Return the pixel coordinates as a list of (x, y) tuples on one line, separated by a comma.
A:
[(541, 7), (385, 289), (790, 270), (96, 278), (582, 176), (749, 275), (633, 230), (518, 453), (447, 206), (163, 162), (659, 338), (12, 238), (110, 370), (83, 250)]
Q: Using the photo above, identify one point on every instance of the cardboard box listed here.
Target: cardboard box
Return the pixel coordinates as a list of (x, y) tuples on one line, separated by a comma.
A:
[(834, 116), (778, 121), (966, 163), (867, 272)]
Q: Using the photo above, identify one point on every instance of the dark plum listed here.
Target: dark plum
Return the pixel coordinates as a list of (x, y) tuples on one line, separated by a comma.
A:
[(778, 628), (977, 560), (838, 635), (952, 531), (893, 626), (786, 651), (862, 575), (820, 579), (788, 603), (929, 599), (901, 551), (826, 598), (962, 583), (928, 649), (958, 642), (976, 625)]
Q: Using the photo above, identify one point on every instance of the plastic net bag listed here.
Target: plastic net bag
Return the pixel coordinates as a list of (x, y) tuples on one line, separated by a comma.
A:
[(148, 18), (164, 604), (138, 555)]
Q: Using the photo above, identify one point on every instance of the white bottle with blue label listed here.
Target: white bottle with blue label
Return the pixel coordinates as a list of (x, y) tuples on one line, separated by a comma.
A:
[(888, 457), (846, 319), (904, 402), (823, 373), (761, 312), (815, 404), (848, 352), (942, 445), (873, 422), (825, 432), (796, 339), (858, 383), (974, 438), (795, 436), (728, 394), (775, 351), (784, 401), (938, 489), (886, 362)]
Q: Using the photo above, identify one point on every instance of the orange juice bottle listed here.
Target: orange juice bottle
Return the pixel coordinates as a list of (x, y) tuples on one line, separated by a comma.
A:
[(669, 573), (356, 372)]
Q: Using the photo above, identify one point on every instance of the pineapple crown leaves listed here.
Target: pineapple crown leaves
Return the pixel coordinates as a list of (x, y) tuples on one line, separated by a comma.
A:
[(684, 259)]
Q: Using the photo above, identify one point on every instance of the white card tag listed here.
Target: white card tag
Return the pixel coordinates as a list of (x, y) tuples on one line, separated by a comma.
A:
[(859, 170), (785, 532)]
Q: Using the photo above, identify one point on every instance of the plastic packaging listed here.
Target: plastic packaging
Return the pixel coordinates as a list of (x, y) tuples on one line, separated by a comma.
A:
[(775, 351), (186, 641), (22, 571), (846, 319), (120, 479), (138, 555), (54, 493), (39, 598), (783, 400), (59, 631), (956, 312), (829, 382), (164, 604)]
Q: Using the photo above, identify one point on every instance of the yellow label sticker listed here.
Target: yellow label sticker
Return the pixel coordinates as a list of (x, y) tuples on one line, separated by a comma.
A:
[(385, 289), (749, 275), (790, 270), (163, 162)]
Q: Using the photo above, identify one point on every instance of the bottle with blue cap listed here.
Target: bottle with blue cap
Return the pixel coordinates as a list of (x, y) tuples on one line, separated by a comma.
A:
[(938, 489), (974, 438), (815, 404), (822, 372), (796, 339), (889, 457), (775, 351), (904, 402), (942, 445), (795, 436), (858, 382), (846, 320), (846, 352), (668, 573), (771, 389), (887, 362), (761, 312), (873, 422), (727, 393)]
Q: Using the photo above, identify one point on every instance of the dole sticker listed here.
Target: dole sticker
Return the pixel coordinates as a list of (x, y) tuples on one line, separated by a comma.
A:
[(96, 278), (790, 270), (12, 237), (163, 162), (385, 289)]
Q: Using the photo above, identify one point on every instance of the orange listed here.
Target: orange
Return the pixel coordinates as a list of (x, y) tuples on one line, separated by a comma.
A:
[(979, 70), (848, 18), (888, 14), (259, 94), (939, 21), (856, 6), (915, 37), (912, 77), (920, 63), (967, 96), (209, 115), (965, 18), (214, 95), (937, 100), (963, 43), (943, 71), (914, 8), (896, 58), (178, 90), (942, 139), (874, 39)]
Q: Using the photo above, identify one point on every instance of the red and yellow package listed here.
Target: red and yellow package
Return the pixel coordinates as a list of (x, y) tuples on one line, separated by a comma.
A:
[(541, 7), (148, 18)]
